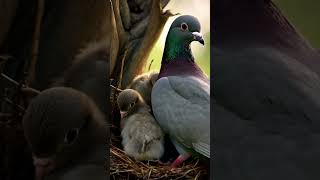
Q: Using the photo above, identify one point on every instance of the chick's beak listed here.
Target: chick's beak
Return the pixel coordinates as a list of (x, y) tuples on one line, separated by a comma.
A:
[(43, 166), (198, 37), (123, 114)]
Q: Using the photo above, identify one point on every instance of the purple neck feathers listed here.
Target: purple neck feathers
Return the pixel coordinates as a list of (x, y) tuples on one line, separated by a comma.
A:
[(181, 67)]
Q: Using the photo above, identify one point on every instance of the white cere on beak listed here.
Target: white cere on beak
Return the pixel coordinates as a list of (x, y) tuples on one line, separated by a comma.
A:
[(198, 37)]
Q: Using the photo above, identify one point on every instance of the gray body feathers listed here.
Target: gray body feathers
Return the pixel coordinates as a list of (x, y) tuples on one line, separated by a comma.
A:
[(181, 105)]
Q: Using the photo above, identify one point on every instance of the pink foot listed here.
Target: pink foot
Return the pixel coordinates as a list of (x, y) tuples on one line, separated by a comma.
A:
[(180, 159)]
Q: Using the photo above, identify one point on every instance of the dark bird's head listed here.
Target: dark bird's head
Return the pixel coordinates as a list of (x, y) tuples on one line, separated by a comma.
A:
[(62, 125), (129, 101), (143, 83), (184, 30)]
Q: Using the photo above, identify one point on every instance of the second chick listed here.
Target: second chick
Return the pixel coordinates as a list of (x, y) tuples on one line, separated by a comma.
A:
[(143, 83), (142, 138)]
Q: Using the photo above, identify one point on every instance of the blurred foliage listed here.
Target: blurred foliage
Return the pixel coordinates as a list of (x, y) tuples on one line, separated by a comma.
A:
[(305, 16)]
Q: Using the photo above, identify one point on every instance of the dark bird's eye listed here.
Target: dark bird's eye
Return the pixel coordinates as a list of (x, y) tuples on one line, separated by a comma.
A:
[(71, 135), (184, 26), (132, 104)]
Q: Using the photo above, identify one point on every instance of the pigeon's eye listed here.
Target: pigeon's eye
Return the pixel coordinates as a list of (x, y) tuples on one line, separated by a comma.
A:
[(184, 26), (132, 104), (71, 136)]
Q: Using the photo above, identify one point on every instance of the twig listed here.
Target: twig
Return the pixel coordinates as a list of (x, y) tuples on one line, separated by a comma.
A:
[(150, 65), (4, 57), (122, 66), (117, 89), (13, 104), (36, 39)]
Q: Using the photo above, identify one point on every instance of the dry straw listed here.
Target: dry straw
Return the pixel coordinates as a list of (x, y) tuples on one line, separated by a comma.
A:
[(124, 167)]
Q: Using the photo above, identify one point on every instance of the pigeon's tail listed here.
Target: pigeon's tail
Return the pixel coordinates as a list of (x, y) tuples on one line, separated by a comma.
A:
[(202, 148)]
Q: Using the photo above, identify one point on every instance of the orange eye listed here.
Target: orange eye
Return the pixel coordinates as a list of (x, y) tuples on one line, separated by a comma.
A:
[(184, 26)]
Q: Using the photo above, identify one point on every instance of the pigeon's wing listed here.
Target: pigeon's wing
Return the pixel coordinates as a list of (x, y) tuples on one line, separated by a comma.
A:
[(202, 148), (267, 85), (274, 124), (181, 105)]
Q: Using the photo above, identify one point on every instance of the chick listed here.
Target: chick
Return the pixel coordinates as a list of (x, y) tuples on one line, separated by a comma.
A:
[(67, 134), (89, 72), (143, 84), (142, 138)]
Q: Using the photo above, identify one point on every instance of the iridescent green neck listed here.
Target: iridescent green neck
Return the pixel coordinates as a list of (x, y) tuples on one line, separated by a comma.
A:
[(176, 47)]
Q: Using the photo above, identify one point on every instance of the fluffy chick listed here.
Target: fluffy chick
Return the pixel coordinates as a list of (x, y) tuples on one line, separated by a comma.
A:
[(143, 83), (142, 138), (67, 133)]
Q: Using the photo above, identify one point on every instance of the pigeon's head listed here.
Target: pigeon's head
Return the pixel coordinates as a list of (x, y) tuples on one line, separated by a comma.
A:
[(59, 125), (129, 101), (184, 30)]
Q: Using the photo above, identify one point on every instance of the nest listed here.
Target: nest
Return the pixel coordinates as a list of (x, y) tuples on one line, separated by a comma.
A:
[(124, 167)]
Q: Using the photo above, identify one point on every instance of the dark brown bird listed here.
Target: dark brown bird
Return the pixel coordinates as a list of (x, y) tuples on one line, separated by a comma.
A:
[(89, 73), (142, 138), (67, 134)]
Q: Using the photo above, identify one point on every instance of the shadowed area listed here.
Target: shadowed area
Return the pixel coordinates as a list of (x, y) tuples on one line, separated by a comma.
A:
[(267, 95)]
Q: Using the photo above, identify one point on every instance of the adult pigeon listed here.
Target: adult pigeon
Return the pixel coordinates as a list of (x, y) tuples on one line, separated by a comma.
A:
[(267, 93), (67, 134), (181, 95)]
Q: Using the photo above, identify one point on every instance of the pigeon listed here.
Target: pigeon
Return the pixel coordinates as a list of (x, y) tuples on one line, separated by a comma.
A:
[(142, 138), (267, 90), (89, 72), (180, 97), (143, 83), (67, 134)]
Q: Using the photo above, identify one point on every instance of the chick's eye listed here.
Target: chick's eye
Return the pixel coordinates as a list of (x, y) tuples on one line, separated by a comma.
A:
[(184, 26), (71, 136), (132, 104)]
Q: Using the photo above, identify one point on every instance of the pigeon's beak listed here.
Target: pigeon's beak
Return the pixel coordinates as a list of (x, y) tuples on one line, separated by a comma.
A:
[(198, 37), (43, 166), (123, 114)]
